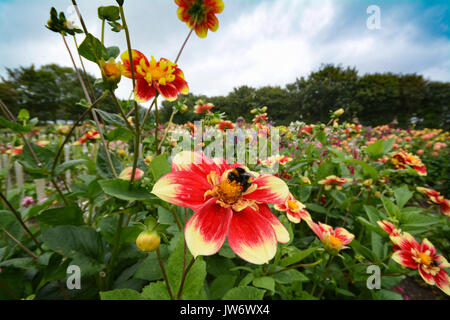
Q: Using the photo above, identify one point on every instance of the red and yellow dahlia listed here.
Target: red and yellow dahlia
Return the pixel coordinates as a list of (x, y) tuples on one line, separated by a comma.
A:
[(229, 201), (90, 135), (202, 108), (225, 125), (402, 160), (200, 14), (333, 181), (154, 76), (436, 198), (333, 240), (295, 210), (423, 256)]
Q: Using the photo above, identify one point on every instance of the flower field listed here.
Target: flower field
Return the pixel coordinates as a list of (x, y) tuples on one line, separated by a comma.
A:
[(121, 206)]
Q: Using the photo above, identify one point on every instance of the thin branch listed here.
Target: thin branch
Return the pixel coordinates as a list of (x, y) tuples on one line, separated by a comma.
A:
[(31, 253), (183, 278), (163, 270)]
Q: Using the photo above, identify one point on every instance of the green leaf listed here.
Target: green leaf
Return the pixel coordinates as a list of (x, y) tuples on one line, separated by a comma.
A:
[(402, 195), (297, 256), (121, 294), (149, 269), (110, 13), (23, 115), (68, 165), (264, 283), (194, 279), (156, 291), (121, 189), (92, 49), (290, 276), (316, 208), (384, 294), (160, 166), (375, 150), (82, 244), (390, 207), (111, 118), (16, 127), (119, 134), (62, 216), (244, 293), (45, 156), (103, 167), (113, 52), (221, 285), (367, 169), (6, 218)]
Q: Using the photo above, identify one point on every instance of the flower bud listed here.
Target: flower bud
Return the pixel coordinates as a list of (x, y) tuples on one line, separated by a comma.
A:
[(264, 109), (338, 112), (127, 172), (148, 241), (306, 180), (111, 71)]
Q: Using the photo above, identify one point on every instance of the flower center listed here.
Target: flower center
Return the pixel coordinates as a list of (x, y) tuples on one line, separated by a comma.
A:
[(161, 71), (335, 242), (293, 206), (425, 258), (229, 191), (197, 11)]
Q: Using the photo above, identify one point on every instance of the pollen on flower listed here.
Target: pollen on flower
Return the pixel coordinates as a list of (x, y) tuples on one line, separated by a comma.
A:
[(293, 205), (161, 71), (425, 258), (229, 191), (335, 242)]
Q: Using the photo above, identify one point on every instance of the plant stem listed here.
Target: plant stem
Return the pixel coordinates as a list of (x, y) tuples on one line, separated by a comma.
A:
[(84, 70), (136, 107), (326, 275), (157, 127), (163, 270), (167, 129), (122, 113), (351, 206), (296, 266), (103, 31), (31, 253), (184, 43), (116, 247), (183, 278)]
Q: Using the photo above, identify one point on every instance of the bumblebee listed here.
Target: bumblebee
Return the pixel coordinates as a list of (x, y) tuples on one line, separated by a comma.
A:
[(242, 177)]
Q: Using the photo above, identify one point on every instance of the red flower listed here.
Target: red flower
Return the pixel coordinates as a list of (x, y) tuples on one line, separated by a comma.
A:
[(202, 108), (163, 76), (201, 13), (295, 210), (436, 198), (225, 125), (402, 160), (337, 182), (423, 256), (229, 201), (333, 240)]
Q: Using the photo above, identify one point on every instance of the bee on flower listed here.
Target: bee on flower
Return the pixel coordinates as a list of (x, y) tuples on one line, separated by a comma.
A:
[(229, 202), (334, 181)]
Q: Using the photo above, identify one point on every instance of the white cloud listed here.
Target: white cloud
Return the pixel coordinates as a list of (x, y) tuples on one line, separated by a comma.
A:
[(258, 43)]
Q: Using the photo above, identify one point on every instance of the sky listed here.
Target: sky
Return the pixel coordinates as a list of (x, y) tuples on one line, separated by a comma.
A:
[(259, 42)]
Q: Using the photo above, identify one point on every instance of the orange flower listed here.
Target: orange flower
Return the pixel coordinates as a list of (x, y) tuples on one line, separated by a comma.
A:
[(163, 76), (201, 14)]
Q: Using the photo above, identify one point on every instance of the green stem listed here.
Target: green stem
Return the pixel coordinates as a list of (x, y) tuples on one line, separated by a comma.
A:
[(103, 31), (136, 107), (116, 247), (163, 270), (326, 276), (157, 127), (183, 279), (167, 129)]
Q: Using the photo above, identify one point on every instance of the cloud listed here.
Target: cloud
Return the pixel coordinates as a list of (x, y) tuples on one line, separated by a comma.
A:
[(259, 43)]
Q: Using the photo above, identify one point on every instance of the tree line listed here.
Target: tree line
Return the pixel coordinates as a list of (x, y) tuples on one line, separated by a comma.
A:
[(52, 92)]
